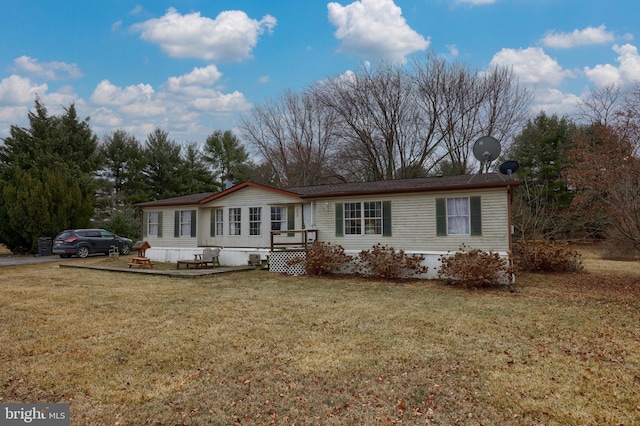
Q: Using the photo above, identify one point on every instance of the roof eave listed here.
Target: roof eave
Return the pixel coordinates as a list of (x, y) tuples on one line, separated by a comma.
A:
[(488, 185)]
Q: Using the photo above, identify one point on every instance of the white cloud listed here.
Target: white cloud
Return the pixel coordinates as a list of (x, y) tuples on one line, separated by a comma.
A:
[(231, 36), (531, 65), (183, 103), (107, 93), (16, 90), (553, 101), (198, 77), (589, 35), (453, 50), (375, 29), (47, 70), (628, 70)]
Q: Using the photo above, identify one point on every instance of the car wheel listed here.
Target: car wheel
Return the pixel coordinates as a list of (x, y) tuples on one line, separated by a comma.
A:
[(126, 249), (83, 252)]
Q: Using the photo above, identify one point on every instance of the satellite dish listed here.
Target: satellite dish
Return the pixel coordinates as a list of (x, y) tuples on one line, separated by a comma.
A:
[(509, 167), (486, 149)]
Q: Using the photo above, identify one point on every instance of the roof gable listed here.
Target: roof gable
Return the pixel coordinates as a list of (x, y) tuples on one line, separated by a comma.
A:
[(205, 197)]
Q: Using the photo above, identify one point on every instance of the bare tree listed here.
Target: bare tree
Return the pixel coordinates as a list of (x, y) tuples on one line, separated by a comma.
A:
[(602, 105), (294, 135), (376, 127), (459, 105), (505, 109), (386, 121)]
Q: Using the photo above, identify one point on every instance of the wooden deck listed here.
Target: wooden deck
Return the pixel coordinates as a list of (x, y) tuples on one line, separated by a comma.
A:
[(174, 273)]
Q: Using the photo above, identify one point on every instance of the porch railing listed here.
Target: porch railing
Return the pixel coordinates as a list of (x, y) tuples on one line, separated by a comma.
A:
[(293, 239)]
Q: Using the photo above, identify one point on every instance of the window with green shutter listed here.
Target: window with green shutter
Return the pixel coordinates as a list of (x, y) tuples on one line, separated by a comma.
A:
[(184, 224), (459, 216), (363, 218), (339, 220)]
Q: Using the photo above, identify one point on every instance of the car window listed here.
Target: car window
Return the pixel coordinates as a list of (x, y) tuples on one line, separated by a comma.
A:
[(82, 233), (64, 235), (93, 234), (107, 235)]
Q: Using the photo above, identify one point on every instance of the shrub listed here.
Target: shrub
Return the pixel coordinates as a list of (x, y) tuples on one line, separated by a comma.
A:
[(322, 259), (384, 262), (547, 256), (475, 268)]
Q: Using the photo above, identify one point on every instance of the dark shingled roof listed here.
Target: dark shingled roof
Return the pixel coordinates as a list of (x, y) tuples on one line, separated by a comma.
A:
[(438, 183), (175, 201)]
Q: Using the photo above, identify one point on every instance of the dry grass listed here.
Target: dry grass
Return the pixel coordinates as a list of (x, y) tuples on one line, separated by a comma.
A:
[(259, 348)]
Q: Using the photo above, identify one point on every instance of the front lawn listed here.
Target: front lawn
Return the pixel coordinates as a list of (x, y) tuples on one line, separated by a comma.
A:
[(260, 348)]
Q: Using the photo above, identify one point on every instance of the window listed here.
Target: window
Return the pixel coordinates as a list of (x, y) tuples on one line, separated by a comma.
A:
[(255, 214), (219, 221), (363, 218), (352, 219), (372, 217), (153, 223), (235, 221), (278, 218), (458, 216), (185, 223)]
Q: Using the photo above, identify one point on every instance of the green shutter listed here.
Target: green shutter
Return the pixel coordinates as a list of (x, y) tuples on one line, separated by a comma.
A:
[(386, 218), (194, 216), (339, 220), (475, 210), (160, 215), (145, 223), (441, 217), (176, 225), (291, 219), (212, 225)]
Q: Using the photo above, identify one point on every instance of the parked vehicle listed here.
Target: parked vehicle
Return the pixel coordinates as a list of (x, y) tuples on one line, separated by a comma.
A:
[(83, 242)]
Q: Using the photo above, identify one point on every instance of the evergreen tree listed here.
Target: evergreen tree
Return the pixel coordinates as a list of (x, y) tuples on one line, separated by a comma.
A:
[(196, 175), (227, 156), (164, 165), (47, 177), (543, 195), (120, 184)]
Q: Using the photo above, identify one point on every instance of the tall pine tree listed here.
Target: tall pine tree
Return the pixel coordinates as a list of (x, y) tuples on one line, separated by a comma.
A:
[(47, 177)]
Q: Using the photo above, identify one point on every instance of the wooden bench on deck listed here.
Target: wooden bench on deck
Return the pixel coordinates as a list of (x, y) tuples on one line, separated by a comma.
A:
[(208, 257)]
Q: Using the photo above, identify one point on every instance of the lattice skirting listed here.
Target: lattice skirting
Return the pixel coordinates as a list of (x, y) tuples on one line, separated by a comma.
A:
[(283, 261)]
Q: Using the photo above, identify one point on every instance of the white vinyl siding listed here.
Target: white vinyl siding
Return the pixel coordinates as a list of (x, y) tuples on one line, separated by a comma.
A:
[(414, 222)]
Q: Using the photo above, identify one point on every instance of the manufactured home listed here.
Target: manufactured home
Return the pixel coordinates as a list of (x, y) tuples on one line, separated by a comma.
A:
[(431, 216)]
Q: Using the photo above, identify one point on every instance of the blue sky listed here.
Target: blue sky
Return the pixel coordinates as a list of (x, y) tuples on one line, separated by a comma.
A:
[(192, 67)]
